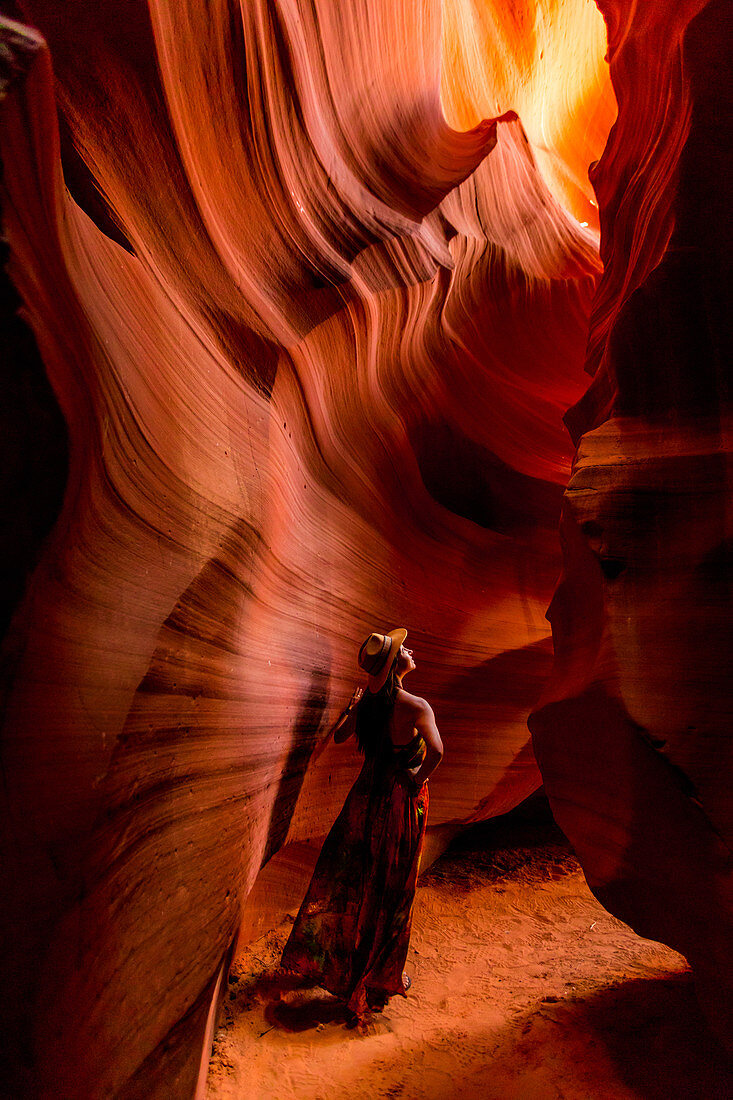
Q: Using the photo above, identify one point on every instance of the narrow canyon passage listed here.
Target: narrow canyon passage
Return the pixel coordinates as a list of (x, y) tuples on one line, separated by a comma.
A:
[(329, 318), (524, 988)]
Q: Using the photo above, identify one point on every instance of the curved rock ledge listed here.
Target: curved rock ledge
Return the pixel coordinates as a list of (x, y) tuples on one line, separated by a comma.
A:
[(312, 305), (632, 734)]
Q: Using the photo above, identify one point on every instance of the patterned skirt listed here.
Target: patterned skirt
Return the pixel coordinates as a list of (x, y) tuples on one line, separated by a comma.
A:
[(352, 931)]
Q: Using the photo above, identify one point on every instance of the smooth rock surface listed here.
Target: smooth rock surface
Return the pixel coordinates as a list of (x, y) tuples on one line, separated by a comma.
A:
[(632, 734), (311, 283)]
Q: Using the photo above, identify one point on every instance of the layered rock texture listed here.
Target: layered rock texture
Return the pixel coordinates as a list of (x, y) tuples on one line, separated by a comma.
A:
[(311, 284), (633, 732)]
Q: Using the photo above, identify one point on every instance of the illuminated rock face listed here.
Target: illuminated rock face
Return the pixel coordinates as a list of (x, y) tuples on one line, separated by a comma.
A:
[(633, 732), (312, 347)]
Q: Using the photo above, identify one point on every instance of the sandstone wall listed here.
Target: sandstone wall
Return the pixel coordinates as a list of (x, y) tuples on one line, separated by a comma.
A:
[(633, 731)]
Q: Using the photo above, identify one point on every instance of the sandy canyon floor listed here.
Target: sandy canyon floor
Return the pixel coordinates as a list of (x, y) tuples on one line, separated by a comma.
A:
[(524, 988)]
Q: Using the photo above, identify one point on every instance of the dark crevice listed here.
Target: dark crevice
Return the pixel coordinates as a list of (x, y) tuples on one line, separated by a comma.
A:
[(84, 190), (471, 481), (34, 450)]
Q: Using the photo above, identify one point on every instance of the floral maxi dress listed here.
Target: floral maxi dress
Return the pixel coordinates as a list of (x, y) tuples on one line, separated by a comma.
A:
[(352, 931)]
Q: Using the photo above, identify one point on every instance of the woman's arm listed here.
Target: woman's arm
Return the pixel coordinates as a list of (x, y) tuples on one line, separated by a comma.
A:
[(343, 727), (425, 725)]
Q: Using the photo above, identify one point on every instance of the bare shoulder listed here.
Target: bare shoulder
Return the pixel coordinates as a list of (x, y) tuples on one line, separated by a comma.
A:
[(413, 703)]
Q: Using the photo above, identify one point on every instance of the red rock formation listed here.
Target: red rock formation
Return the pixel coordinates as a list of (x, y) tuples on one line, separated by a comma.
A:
[(312, 346), (633, 732)]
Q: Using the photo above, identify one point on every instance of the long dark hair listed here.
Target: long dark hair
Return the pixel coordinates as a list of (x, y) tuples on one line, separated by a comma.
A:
[(373, 712)]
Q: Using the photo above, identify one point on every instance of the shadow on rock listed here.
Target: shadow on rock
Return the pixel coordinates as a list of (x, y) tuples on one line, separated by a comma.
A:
[(652, 1030), (659, 1040)]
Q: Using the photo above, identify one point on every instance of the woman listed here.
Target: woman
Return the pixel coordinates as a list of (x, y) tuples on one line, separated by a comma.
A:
[(353, 929)]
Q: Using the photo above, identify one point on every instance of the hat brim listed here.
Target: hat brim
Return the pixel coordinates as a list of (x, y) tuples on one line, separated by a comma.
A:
[(376, 683)]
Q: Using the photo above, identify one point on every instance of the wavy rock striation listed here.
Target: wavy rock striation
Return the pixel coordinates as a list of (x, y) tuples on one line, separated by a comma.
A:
[(312, 300), (632, 734)]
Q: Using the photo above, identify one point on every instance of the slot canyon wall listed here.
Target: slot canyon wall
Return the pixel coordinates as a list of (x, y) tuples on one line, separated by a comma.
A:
[(312, 284), (632, 734)]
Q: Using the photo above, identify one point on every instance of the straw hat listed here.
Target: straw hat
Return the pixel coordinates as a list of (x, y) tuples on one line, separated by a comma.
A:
[(377, 654)]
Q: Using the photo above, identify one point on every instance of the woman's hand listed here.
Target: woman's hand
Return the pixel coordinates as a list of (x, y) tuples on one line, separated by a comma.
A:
[(350, 706), (344, 724), (409, 781)]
